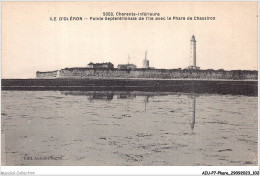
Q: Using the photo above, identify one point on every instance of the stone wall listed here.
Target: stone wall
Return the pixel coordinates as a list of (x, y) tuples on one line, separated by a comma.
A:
[(150, 73), (47, 75)]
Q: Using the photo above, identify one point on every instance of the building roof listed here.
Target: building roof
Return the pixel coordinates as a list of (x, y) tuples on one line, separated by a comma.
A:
[(100, 63)]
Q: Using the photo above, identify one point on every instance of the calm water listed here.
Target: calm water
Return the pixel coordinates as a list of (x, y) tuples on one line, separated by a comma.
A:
[(127, 128)]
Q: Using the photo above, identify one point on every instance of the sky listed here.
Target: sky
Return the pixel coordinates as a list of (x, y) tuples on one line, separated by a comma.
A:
[(32, 42)]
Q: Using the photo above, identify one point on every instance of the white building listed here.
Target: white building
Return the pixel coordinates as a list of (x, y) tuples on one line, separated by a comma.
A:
[(193, 54)]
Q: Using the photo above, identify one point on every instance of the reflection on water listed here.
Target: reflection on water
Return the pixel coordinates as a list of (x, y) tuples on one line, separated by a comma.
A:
[(128, 128), (92, 95), (193, 98), (130, 95)]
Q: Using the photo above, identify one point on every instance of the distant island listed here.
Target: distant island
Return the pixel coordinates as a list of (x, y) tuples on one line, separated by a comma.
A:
[(107, 70)]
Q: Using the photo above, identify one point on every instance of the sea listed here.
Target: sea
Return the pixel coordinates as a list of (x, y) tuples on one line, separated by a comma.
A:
[(104, 128)]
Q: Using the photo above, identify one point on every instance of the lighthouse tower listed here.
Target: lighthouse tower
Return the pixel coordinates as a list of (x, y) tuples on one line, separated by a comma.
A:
[(193, 53)]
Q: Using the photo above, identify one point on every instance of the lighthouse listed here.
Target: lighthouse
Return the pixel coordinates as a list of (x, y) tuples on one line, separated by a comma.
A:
[(193, 53)]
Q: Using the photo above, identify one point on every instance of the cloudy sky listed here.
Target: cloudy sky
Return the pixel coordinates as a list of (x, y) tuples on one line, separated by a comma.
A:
[(31, 42)]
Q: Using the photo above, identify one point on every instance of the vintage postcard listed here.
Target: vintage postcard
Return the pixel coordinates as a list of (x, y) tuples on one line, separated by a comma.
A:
[(129, 84)]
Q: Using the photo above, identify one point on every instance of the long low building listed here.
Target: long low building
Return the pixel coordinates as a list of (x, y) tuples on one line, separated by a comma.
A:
[(100, 65), (126, 66)]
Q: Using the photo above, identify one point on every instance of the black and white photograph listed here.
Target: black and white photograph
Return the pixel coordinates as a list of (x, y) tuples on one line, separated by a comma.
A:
[(129, 84)]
